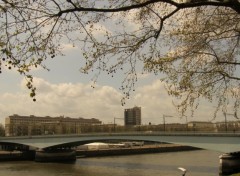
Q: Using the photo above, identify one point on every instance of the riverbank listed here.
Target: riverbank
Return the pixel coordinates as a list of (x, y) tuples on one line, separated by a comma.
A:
[(150, 148), (16, 155), (158, 148)]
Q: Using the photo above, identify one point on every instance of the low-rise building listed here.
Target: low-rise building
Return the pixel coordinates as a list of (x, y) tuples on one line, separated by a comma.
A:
[(17, 125), (228, 126), (200, 126)]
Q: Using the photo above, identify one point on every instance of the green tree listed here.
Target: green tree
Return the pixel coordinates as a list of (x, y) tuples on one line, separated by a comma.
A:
[(193, 43), (2, 130)]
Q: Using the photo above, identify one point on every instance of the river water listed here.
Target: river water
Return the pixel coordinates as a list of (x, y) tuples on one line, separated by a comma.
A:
[(198, 163)]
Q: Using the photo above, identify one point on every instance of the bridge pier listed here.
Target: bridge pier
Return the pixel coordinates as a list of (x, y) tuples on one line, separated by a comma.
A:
[(56, 155), (229, 163)]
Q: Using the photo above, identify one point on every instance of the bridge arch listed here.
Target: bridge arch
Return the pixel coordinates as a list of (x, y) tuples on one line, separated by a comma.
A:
[(225, 143)]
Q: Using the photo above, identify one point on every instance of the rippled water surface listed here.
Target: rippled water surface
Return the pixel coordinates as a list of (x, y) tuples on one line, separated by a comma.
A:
[(198, 163)]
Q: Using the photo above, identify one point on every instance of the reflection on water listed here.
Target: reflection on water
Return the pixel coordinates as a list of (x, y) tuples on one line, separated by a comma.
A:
[(198, 163)]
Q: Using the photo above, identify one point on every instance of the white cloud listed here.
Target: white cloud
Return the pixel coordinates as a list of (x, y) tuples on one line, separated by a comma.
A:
[(155, 102), (80, 100), (74, 100)]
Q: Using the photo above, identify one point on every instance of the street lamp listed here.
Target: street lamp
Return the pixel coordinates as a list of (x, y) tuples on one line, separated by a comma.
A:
[(164, 120)]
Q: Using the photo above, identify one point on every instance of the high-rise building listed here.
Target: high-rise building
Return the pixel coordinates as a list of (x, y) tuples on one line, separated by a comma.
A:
[(132, 116)]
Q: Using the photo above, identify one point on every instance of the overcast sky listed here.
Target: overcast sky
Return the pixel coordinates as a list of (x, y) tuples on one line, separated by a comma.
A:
[(65, 91)]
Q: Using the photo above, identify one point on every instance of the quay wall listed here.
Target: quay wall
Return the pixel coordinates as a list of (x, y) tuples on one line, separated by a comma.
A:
[(55, 156), (16, 155), (134, 150), (31, 155)]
